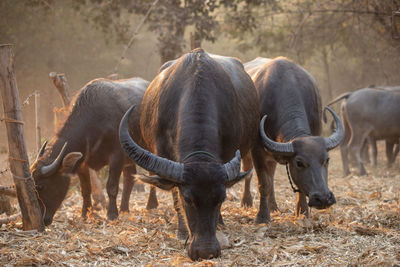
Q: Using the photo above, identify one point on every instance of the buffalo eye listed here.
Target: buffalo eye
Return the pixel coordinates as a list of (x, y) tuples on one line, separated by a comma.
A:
[(326, 162), (300, 163)]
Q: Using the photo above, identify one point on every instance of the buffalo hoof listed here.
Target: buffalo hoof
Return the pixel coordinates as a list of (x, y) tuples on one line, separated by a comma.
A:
[(363, 172), (247, 201), (346, 173), (112, 215), (263, 218), (124, 208), (85, 211), (273, 207)]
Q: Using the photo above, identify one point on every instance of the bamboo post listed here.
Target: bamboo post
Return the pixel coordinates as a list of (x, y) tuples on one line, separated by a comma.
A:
[(37, 115), (18, 158)]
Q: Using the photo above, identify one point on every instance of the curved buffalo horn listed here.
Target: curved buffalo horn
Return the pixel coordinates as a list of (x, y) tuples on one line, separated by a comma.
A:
[(53, 167), (233, 167), (337, 136), (283, 149), (171, 170), (42, 149)]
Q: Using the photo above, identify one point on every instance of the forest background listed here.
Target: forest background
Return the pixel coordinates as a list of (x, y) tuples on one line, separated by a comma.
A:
[(344, 44)]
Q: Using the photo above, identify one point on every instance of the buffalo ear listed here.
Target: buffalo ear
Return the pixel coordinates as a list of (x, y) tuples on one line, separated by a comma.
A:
[(240, 177), (70, 161), (157, 181)]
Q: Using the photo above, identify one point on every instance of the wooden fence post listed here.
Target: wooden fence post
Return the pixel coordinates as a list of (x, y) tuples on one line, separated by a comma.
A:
[(18, 158)]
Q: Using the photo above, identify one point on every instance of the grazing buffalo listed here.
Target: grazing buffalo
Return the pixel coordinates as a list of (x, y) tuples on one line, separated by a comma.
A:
[(369, 113), (196, 115), (291, 108), (89, 139)]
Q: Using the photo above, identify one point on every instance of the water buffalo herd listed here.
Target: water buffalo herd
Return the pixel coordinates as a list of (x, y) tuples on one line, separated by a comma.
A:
[(198, 128)]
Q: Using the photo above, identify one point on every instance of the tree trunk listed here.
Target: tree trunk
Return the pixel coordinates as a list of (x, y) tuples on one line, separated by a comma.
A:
[(327, 73), (61, 84), (60, 81), (19, 164), (195, 41)]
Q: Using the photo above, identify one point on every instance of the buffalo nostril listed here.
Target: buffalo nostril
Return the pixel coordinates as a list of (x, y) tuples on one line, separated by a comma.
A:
[(316, 199), (322, 201)]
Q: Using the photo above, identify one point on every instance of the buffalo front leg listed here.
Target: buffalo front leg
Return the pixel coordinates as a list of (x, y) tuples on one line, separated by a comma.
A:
[(301, 205), (97, 190), (86, 190), (272, 206), (129, 180), (344, 147), (116, 164), (258, 156), (355, 149), (182, 230), (389, 153), (345, 159), (365, 151), (247, 198), (374, 150), (358, 138), (152, 202), (395, 152)]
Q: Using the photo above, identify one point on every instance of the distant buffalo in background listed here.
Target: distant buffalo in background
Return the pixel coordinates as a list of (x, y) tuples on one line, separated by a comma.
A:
[(369, 114)]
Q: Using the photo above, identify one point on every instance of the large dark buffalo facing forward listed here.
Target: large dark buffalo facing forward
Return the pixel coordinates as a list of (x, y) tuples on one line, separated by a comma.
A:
[(290, 131), (196, 115), (372, 113), (89, 139)]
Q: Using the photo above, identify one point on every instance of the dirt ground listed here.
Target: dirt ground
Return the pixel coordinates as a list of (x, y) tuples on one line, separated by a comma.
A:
[(362, 229)]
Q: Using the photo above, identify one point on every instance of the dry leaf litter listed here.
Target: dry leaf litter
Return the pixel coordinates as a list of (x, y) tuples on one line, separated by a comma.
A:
[(362, 229)]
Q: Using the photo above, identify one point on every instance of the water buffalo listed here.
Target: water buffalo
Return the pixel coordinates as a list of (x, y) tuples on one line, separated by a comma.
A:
[(89, 139), (369, 113), (290, 105), (196, 115)]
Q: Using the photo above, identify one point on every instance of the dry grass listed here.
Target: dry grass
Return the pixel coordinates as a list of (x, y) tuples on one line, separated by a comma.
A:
[(363, 228)]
